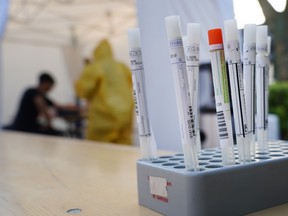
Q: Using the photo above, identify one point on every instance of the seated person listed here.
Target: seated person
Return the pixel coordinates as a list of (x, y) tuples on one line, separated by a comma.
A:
[(36, 110)]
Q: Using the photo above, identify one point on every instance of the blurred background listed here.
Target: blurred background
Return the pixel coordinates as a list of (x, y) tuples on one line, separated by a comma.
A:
[(57, 35)]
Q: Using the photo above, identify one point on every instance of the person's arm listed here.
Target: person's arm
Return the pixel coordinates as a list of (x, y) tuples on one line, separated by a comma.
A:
[(43, 109)]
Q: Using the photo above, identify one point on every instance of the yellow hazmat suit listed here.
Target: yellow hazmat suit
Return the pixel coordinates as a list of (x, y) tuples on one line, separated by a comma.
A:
[(107, 86)]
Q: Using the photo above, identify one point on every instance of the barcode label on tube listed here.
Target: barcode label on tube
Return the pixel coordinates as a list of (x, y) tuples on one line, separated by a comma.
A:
[(191, 125), (222, 127)]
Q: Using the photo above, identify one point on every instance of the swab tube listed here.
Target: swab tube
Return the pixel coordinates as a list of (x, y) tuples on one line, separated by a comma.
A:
[(147, 143), (262, 80), (233, 56), (249, 61), (221, 92), (192, 66), (183, 100)]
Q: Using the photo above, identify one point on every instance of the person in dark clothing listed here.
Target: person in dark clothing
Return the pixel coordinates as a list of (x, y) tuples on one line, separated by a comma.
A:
[(35, 110)]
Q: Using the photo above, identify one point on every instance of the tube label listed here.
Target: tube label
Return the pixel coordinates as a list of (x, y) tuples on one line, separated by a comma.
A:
[(262, 79), (184, 104), (221, 91), (192, 55), (139, 91), (237, 88), (192, 65), (249, 61)]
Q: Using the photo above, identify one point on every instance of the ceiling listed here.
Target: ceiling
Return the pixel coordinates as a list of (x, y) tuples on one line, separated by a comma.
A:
[(68, 21)]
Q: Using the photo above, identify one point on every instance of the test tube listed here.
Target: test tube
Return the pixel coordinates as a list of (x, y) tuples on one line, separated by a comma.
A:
[(262, 80), (232, 52), (249, 61), (221, 92), (183, 100), (192, 66), (147, 143)]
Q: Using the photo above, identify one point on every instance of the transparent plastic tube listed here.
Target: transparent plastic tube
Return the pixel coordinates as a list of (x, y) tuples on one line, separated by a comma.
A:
[(232, 51), (221, 92), (262, 82), (249, 62), (147, 142), (183, 100)]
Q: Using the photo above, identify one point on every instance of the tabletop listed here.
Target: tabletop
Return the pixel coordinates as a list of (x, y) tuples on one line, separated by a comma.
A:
[(42, 175)]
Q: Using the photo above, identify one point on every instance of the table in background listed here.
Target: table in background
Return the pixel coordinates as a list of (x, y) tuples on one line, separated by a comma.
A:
[(41, 175)]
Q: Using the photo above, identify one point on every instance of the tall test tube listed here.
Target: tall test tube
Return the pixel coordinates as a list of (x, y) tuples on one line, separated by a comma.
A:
[(262, 82), (233, 56), (147, 143), (221, 92), (192, 63), (183, 100), (249, 62)]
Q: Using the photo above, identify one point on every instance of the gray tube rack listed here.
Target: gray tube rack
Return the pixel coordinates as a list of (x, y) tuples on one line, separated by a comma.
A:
[(165, 186)]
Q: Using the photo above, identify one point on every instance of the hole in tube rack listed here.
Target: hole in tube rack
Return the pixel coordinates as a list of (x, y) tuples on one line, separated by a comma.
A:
[(262, 153), (215, 161), (170, 164), (217, 156), (263, 157), (203, 163), (175, 159), (182, 161), (207, 154), (179, 167), (165, 157), (159, 161), (180, 154), (285, 149), (210, 150), (275, 150), (213, 166), (74, 211), (285, 152), (204, 158), (277, 155)]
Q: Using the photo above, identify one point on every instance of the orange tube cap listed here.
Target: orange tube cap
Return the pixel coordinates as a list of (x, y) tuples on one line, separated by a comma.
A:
[(215, 36)]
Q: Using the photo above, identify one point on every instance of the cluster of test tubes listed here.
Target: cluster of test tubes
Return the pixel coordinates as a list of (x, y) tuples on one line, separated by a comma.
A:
[(242, 86)]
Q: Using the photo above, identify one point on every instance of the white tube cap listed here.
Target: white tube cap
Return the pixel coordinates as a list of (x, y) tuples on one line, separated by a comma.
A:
[(231, 30), (250, 33), (173, 27), (193, 33), (134, 38), (261, 35)]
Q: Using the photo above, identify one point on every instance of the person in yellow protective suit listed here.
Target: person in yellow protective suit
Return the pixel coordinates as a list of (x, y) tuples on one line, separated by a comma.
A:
[(106, 84)]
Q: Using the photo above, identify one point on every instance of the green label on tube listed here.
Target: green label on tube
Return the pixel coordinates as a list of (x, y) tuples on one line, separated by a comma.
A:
[(224, 79)]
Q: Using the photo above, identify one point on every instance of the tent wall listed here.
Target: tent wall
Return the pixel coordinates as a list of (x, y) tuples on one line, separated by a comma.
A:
[(21, 67)]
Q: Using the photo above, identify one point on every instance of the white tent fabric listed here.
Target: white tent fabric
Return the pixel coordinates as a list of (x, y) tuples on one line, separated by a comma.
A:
[(68, 21), (77, 25)]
